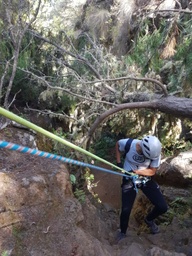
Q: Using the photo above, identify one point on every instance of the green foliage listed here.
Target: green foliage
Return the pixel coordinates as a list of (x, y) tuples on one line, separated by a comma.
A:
[(184, 53), (28, 92), (89, 177), (72, 179), (177, 208), (179, 203), (78, 191), (57, 101), (145, 52), (5, 48), (171, 146), (21, 81), (80, 68), (5, 253), (6, 53), (170, 136), (182, 65), (59, 148), (181, 72), (27, 88), (59, 68), (103, 146), (67, 103), (80, 195), (136, 124), (124, 123), (82, 43)]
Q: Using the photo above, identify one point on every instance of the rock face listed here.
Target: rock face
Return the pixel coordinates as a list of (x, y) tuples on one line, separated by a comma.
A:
[(176, 171), (39, 214)]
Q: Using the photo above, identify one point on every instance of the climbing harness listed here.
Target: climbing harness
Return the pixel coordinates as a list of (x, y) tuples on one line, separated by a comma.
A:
[(136, 181), (141, 181)]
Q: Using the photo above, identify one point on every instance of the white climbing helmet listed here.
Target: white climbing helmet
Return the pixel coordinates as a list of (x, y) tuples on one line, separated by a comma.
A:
[(151, 147)]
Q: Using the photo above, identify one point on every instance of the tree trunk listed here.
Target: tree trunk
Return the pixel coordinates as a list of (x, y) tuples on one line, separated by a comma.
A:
[(178, 107)]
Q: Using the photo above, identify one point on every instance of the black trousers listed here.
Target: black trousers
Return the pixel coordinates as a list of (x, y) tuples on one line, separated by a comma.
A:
[(152, 191)]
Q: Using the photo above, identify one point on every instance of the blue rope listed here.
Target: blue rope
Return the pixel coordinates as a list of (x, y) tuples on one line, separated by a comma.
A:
[(16, 147)]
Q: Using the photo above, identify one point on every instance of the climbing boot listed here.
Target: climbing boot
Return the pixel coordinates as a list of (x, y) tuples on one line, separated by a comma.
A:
[(120, 236), (153, 227)]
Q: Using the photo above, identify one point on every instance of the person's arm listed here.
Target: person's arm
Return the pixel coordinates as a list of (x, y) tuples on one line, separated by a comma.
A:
[(118, 153), (146, 172)]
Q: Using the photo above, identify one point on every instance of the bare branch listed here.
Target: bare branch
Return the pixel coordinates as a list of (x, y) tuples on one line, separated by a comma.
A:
[(17, 44), (3, 77), (13, 99), (162, 86), (47, 85), (70, 42), (187, 11), (49, 112), (34, 15), (76, 56)]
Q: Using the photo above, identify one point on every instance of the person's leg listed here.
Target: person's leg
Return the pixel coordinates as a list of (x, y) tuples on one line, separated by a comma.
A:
[(128, 198), (153, 192)]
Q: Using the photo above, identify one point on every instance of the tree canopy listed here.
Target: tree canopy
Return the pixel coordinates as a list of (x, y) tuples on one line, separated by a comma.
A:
[(85, 62)]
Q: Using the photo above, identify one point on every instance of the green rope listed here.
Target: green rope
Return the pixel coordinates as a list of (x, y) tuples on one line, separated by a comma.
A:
[(36, 128)]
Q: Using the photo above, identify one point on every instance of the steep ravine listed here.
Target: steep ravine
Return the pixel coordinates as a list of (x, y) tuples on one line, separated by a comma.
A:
[(39, 214)]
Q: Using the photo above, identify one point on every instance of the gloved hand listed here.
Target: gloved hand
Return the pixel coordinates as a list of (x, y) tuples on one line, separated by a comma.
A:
[(120, 165)]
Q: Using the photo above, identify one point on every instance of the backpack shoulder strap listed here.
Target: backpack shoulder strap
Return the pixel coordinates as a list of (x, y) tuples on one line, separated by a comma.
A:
[(127, 146)]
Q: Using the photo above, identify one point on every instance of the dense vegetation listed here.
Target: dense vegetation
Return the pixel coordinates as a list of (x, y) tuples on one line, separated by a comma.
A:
[(72, 64)]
